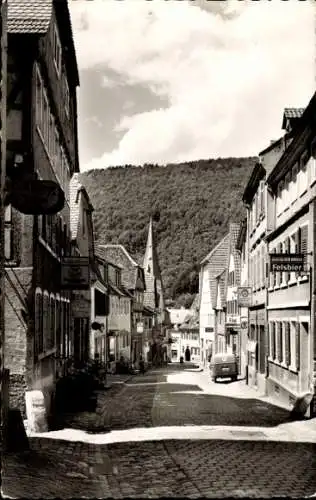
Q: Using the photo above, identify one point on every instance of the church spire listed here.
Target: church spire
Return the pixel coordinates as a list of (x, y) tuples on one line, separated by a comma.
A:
[(152, 270), (151, 263)]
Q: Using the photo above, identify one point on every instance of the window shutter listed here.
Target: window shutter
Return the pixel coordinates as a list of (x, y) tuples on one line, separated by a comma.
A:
[(297, 346), (287, 250), (304, 244), (287, 343)]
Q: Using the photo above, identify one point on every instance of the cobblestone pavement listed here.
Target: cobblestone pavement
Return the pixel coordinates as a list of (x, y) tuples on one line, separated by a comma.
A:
[(193, 468)]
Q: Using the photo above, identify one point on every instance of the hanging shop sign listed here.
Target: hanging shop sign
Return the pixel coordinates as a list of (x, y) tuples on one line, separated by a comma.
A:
[(244, 296), (75, 273), (286, 262)]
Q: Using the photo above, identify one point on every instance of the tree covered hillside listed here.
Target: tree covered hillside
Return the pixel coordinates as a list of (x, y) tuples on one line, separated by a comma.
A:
[(191, 204)]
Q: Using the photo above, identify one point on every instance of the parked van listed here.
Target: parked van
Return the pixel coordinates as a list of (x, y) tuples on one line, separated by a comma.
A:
[(224, 365)]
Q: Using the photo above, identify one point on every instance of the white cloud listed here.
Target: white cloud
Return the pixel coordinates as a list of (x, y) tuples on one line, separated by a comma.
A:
[(227, 80)]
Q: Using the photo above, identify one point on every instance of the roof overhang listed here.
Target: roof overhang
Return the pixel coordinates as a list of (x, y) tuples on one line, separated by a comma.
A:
[(303, 136), (256, 176), (242, 234)]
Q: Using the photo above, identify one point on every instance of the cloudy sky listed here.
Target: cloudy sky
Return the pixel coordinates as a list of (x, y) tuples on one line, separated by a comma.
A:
[(175, 80)]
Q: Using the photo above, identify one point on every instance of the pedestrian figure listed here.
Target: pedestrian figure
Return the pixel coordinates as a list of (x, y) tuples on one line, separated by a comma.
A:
[(141, 365), (187, 354)]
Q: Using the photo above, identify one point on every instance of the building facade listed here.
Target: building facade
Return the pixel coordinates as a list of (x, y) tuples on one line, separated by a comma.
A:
[(242, 247), (291, 301), (232, 323), (206, 316), (42, 135), (214, 265)]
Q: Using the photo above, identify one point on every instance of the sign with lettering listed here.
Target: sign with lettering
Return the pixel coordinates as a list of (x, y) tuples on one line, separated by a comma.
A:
[(75, 273), (244, 296), (286, 262)]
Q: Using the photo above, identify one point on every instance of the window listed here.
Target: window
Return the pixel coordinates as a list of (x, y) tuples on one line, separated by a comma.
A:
[(312, 164), (294, 184), (38, 99), (287, 343), (262, 351), (57, 50), (51, 332), (38, 347), (8, 233), (46, 320), (66, 96), (279, 201), (45, 119), (263, 266), (280, 343), (278, 274), (273, 275), (272, 345), (303, 177), (297, 347), (262, 200), (58, 323), (302, 237)]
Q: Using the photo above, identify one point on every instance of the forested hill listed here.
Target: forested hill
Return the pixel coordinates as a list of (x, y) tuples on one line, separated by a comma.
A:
[(191, 204)]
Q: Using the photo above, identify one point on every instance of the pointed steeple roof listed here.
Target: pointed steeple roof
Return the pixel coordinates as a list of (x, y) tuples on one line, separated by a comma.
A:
[(152, 271), (151, 263)]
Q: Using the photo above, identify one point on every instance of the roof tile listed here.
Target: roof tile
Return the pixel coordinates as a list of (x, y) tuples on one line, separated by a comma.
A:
[(29, 16)]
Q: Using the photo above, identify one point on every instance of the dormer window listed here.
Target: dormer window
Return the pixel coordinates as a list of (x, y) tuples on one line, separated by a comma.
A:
[(57, 50)]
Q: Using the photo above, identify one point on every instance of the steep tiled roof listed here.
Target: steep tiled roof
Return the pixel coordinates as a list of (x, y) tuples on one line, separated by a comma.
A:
[(234, 232), (293, 112), (217, 262), (119, 256), (29, 16), (196, 302), (290, 117)]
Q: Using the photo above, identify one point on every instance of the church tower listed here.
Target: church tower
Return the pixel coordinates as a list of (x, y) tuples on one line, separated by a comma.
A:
[(153, 279)]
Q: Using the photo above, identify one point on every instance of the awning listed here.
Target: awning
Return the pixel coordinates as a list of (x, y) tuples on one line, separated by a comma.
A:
[(251, 346)]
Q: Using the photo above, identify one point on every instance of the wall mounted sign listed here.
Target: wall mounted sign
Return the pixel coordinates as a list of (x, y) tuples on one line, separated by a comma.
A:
[(75, 273), (286, 262), (244, 296)]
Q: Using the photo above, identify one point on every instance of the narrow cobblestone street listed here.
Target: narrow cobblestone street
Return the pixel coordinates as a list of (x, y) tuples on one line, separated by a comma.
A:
[(219, 444)]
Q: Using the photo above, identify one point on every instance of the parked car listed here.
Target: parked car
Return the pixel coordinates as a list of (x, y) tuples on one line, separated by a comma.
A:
[(224, 365)]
